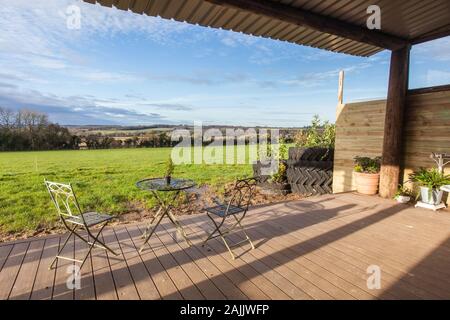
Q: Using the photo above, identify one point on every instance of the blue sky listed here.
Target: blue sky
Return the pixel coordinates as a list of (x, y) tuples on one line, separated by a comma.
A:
[(123, 68)]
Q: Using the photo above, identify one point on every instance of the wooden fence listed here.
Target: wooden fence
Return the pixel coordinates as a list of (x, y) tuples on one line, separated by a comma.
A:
[(359, 131)]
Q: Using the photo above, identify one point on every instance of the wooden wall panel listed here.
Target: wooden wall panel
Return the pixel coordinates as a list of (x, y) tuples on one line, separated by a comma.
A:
[(359, 131), (427, 130)]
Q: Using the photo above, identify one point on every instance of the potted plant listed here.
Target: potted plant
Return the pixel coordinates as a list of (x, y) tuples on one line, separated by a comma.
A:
[(430, 181), (367, 174), (169, 170), (403, 194), (276, 183)]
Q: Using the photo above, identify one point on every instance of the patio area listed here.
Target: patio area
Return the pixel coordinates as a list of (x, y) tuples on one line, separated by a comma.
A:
[(317, 248)]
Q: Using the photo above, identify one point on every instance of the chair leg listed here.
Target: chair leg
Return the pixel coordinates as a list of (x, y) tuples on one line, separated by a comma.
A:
[(71, 232), (238, 222), (210, 236), (97, 240), (93, 243), (223, 234), (226, 245)]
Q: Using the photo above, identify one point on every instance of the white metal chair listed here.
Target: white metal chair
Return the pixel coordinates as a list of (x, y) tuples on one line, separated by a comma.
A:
[(73, 218), (236, 207)]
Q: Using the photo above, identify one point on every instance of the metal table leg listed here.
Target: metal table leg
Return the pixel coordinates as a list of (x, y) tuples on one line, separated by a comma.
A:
[(164, 210)]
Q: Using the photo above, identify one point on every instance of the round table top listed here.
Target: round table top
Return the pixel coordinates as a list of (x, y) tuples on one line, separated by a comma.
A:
[(160, 184)]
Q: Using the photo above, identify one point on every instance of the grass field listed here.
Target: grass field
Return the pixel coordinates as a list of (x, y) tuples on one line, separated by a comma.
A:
[(103, 179)]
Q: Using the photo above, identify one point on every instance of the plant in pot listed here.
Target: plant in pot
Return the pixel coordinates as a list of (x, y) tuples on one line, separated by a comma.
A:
[(367, 174), (430, 181), (403, 194), (169, 170), (276, 182)]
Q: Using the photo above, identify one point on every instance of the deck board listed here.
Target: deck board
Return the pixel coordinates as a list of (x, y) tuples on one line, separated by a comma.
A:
[(61, 289), (25, 279), (164, 284), (224, 284), (142, 280), (4, 253), (179, 276), (45, 278), (104, 283), (11, 269), (87, 289), (316, 248), (124, 284)]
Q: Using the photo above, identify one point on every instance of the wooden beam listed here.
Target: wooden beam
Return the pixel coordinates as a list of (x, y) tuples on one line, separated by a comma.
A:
[(438, 33), (315, 21), (445, 87), (393, 125)]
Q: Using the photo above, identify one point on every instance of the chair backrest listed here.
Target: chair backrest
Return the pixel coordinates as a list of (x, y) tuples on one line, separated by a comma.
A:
[(242, 193), (63, 198)]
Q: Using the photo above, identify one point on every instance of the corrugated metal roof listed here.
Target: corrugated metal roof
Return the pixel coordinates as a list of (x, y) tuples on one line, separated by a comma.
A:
[(405, 19)]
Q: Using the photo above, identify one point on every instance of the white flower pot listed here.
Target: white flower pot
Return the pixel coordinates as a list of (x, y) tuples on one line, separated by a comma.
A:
[(403, 199), (434, 197)]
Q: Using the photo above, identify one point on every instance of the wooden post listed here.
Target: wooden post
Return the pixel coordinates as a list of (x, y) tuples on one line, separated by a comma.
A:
[(393, 125), (341, 88), (340, 105)]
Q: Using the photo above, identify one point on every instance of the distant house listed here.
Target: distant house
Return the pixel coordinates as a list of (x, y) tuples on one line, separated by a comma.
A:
[(83, 146)]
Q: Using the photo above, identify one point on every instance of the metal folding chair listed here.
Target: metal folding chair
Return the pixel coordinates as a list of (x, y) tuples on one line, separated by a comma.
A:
[(73, 218), (236, 207)]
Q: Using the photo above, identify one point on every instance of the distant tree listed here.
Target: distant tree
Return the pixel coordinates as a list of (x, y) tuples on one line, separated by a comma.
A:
[(30, 130)]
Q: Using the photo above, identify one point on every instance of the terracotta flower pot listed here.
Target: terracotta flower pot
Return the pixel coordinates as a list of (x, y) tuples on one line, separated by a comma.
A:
[(367, 183)]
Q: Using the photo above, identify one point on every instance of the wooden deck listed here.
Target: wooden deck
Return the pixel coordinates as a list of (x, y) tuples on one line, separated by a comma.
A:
[(318, 248)]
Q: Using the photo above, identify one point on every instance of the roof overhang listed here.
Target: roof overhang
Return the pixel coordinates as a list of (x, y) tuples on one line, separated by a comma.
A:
[(335, 25)]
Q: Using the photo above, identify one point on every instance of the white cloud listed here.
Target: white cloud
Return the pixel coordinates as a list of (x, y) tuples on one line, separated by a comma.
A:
[(438, 50), (35, 37), (318, 78), (437, 77), (234, 39)]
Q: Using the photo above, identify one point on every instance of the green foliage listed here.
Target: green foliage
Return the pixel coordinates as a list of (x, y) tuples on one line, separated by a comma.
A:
[(283, 150), (430, 178), (170, 167), (404, 191), (318, 134), (280, 175), (28, 130), (367, 165)]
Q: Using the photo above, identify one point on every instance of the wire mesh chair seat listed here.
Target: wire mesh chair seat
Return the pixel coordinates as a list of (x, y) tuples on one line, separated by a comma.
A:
[(70, 214), (222, 210), (90, 218), (236, 207)]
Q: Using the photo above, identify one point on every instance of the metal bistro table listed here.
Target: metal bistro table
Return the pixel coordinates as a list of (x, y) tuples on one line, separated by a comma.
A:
[(156, 185)]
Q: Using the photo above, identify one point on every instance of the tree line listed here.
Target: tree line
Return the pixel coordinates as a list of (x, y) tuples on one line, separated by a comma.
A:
[(25, 130)]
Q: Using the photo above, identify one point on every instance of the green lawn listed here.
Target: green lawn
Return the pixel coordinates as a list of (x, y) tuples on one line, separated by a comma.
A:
[(103, 179)]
